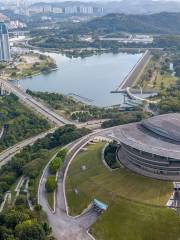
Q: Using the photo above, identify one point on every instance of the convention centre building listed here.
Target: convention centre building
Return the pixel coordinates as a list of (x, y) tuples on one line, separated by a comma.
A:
[(152, 147)]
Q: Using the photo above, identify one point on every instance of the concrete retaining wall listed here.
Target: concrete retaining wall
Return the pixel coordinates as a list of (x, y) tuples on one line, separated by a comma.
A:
[(133, 74)]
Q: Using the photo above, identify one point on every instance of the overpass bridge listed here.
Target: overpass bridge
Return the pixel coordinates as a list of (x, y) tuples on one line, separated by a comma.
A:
[(33, 103)]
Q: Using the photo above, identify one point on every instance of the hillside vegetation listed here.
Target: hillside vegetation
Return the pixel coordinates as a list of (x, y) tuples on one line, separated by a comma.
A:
[(164, 26), (19, 122), (155, 23)]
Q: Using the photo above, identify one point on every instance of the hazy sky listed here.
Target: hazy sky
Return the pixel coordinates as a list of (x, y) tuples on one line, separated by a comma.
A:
[(84, 0), (104, 0), (88, 0), (97, 0)]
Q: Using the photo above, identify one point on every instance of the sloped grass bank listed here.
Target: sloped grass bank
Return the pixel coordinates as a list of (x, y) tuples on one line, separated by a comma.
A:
[(136, 203)]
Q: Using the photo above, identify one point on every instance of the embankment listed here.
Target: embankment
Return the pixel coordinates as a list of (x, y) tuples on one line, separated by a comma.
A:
[(133, 74)]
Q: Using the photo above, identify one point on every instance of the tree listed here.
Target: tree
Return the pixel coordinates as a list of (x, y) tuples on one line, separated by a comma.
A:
[(47, 228), (38, 207), (5, 233), (42, 57), (3, 187), (21, 200), (33, 168), (62, 153), (13, 74), (55, 165), (29, 230), (1, 197), (10, 237), (51, 184), (14, 217)]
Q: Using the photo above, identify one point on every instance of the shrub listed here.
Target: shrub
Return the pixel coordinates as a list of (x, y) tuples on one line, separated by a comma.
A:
[(29, 230), (55, 165), (51, 184), (33, 168), (62, 153)]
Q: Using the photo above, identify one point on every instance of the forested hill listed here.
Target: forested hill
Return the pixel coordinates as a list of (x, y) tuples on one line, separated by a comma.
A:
[(155, 23)]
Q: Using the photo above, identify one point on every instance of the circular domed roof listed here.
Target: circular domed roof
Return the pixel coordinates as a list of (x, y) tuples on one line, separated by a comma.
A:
[(167, 126)]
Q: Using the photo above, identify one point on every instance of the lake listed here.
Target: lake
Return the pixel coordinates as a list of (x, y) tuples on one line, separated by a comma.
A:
[(92, 77)]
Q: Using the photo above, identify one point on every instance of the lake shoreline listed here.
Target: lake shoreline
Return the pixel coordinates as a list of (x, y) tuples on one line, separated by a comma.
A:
[(105, 71)]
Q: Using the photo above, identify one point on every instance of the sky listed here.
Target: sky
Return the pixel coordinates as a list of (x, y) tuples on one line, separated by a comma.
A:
[(83, 0), (110, 0)]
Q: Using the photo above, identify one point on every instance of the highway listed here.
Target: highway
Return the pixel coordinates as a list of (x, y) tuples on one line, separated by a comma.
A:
[(29, 101), (6, 155)]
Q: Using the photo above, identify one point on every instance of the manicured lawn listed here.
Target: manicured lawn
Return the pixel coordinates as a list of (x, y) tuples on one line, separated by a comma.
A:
[(97, 181), (136, 204), (127, 220)]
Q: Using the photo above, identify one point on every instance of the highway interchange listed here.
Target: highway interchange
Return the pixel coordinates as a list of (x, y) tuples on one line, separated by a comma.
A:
[(7, 154), (63, 226)]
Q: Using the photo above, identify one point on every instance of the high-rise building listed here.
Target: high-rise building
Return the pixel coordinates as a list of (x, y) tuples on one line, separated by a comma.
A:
[(71, 10), (86, 9), (4, 43)]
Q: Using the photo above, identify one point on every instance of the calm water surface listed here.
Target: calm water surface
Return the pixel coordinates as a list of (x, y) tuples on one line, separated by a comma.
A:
[(92, 77)]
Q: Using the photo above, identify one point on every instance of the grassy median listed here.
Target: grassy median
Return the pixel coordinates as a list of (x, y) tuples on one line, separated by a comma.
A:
[(136, 204)]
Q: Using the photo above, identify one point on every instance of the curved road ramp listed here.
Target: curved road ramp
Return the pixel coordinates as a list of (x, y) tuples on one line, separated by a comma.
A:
[(64, 226)]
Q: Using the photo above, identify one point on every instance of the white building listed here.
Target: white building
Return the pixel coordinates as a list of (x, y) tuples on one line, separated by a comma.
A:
[(86, 9), (71, 10), (57, 10), (35, 10), (47, 8), (16, 24)]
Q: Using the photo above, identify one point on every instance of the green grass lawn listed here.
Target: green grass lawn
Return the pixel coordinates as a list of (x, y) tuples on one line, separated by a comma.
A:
[(136, 204), (167, 80), (50, 199), (128, 220)]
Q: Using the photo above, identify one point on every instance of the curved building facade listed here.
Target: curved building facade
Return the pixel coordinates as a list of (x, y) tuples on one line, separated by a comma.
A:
[(152, 147)]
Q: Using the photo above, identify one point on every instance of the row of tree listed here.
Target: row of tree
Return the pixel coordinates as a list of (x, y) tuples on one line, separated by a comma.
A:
[(79, 111), (169, 100), (54, 166), (125, 118), (19, 223)]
